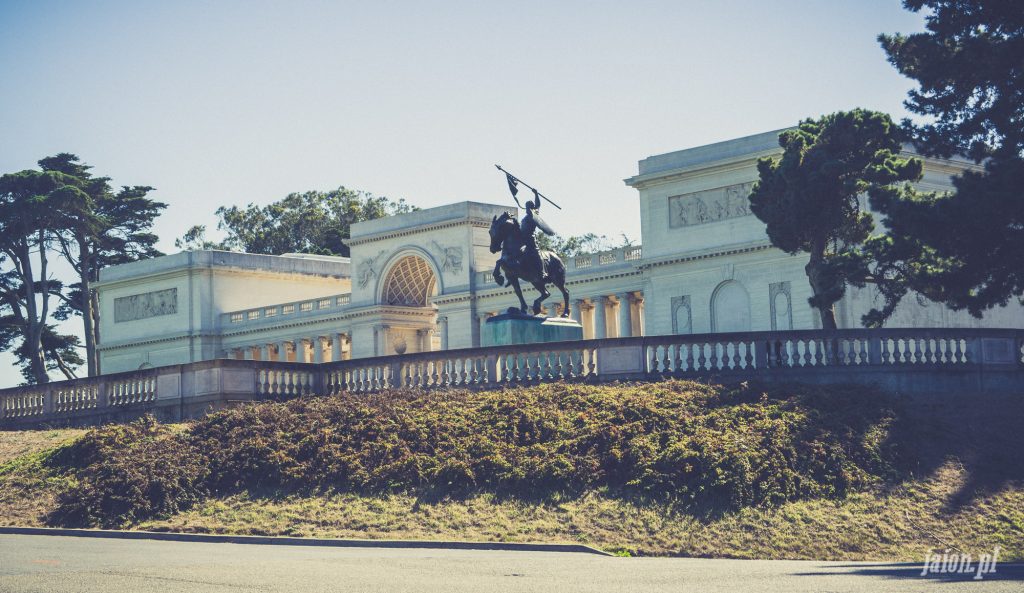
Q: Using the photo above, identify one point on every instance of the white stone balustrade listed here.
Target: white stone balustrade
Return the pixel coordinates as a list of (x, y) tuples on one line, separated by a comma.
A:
[(921, 362)]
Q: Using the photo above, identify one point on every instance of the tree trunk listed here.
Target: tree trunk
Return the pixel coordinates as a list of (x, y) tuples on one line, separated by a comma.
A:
[(819, 288), (88, 314), (33, 324), (96, 329)]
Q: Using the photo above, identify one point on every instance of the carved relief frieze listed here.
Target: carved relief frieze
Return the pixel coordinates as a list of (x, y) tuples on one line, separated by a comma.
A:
[(367, 270), (709, 205), (451, 258), (146, 305)]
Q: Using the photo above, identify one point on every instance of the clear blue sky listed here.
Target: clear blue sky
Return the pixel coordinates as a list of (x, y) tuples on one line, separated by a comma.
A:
[(238, 102)]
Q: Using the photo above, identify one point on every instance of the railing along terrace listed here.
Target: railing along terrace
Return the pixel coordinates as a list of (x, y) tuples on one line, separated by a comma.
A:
[(467, 368), (295, 308), (923, 361), (80, 395)]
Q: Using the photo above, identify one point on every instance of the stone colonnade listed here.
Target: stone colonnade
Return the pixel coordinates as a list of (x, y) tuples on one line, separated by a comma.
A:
[(318, 348), (618, 315)]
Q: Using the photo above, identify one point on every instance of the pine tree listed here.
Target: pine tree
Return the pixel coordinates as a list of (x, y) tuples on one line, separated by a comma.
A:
[(810, 198), (965, 248)]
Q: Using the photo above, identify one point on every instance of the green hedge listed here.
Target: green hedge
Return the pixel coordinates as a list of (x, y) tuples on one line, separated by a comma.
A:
[(704, 448)]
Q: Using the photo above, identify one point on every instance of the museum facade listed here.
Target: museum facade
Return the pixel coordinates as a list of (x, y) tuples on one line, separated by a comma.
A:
[(422, 281)]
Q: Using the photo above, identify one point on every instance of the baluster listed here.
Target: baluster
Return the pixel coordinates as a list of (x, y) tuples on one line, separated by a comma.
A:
[(664, 357), (572, 369)]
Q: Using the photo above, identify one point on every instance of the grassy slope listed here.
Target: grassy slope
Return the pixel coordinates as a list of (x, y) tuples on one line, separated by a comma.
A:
[(967, 496), (28, 490), (874, 525)]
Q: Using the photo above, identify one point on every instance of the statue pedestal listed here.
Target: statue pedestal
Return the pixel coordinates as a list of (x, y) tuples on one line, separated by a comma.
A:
[(504, 330)]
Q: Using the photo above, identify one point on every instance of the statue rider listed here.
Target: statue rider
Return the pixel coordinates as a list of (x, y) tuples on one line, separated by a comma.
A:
[(528, 255)]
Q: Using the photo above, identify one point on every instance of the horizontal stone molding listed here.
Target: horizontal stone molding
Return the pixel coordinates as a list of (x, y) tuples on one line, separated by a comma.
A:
[(918, 362)]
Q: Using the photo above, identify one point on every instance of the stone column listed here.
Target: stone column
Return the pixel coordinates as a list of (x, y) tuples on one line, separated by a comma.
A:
[(600, 319), (247, 353), (442, 326), (300, 349), (638, 319), (385, 341), (265, 352), (482, 320), (318, 348), (282, 351), (577, 310), (625, 314), (336, 347)]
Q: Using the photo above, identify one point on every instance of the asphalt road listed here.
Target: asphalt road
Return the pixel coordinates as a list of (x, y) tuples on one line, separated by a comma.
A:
[(51, 564)]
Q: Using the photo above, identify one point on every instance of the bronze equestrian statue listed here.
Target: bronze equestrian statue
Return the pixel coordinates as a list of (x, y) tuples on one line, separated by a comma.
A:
[(520, 257)]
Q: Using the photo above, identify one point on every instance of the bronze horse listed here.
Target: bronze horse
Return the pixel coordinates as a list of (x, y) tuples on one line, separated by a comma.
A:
[(519, 260)]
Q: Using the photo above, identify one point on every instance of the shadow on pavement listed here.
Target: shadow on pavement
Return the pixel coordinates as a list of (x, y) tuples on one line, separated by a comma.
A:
[(1004, 572)]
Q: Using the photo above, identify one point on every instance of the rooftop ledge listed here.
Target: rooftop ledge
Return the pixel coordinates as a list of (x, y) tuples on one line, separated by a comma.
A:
[(291, 263)]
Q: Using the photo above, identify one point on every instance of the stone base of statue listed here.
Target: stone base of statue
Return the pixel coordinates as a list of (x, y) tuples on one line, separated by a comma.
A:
[(511, 328)]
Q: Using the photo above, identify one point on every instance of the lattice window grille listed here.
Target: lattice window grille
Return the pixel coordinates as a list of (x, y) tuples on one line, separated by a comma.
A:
[(410, 283)]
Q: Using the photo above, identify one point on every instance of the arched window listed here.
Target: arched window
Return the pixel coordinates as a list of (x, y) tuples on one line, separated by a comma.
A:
[(410, 283)]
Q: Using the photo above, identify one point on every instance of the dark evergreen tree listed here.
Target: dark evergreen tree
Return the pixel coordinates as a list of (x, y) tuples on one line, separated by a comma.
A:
[(116, 228), (810, 198), (35, 206), (966, 248)]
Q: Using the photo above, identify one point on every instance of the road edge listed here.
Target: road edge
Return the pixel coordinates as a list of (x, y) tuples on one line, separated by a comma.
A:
[(274, 540)]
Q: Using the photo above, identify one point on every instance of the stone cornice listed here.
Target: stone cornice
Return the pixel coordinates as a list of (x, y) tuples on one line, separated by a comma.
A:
[(477, 222), (950, 166), (702, 169), (675, 259), (165, 338), (185, 272)]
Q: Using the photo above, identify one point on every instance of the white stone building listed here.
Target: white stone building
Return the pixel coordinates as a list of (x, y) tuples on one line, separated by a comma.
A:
[(422, 281)]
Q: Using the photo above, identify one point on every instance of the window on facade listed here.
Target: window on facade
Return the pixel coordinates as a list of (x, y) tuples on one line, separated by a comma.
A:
[(410, 283)]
